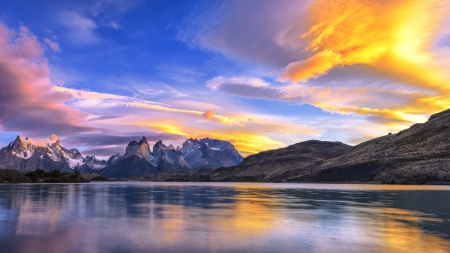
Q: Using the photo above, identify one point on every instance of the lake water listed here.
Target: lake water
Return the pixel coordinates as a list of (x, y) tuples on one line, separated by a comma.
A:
[(223, 217)]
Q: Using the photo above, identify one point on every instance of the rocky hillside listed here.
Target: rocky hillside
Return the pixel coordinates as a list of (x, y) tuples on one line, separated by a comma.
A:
[(279, 164), (420, 154), (127, 167)]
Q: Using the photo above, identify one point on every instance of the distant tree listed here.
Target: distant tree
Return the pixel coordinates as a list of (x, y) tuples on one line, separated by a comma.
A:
[(56, 173), (39, 172)]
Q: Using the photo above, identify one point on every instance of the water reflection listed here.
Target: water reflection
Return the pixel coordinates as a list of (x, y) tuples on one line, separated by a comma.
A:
[(229, 217)]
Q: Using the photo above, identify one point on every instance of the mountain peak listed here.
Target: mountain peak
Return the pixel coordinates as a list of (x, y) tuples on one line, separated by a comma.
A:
[(54, 137), (144, 140)]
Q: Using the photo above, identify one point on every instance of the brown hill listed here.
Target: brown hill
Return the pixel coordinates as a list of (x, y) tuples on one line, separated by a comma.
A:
[(420, 154)]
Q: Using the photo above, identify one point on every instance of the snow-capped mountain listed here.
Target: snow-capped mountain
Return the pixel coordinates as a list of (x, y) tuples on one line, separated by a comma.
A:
[(195, 154), (210, 153), (94, 163), (29, 154), (26, 154), (169, 158), (113, 159)]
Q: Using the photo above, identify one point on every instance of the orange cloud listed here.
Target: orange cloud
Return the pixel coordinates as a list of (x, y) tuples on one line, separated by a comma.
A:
[(208, 115), (389, 35)]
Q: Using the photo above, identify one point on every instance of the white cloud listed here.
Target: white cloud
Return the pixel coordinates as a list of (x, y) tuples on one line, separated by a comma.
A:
[(53, 45), (81, 28), (114, 25)]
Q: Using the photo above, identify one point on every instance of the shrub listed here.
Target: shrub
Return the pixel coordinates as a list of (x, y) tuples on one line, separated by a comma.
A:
[(56, 173)]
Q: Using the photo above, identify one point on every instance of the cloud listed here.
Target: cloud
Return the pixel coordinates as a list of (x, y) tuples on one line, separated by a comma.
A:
[(245, 30), (349, 32), (338, 55), (102, 117), (28, 103), (185, 120), (113, 25), (208, 115), (245, 87), (53, 45), (87, 100), (81, 29), (344, 100)]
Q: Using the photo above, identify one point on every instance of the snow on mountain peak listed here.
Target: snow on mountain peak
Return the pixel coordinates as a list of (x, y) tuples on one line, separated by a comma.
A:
[(54, 137), (28, 142)]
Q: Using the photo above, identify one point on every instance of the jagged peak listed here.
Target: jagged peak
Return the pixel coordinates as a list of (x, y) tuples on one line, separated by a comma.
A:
[(28, 141), (171, 147), (54, 137), (159, 143), (144, 140), (132, 143)]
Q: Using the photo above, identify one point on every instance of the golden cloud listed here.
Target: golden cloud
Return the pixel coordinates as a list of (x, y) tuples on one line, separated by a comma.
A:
[(389, 35)]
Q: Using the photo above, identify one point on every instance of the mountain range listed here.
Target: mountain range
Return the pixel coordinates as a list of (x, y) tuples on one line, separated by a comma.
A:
[(417, 155), (26, 154)]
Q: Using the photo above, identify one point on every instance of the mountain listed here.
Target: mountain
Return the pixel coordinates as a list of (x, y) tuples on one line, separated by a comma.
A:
[(194, 155), (129, 166), (420, 154), (92, 164), (137, 160), (169, 158), (210, 153), (27, 154), (140, 149), (279, 164)]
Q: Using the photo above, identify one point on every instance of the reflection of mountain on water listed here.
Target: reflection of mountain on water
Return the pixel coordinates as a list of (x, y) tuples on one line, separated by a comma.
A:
[(207, 217)]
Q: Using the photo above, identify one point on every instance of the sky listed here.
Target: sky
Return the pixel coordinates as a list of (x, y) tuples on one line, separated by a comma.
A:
[(261, 74)]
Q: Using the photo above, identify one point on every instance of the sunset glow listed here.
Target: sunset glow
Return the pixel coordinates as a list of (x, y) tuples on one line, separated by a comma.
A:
[(342, 70)]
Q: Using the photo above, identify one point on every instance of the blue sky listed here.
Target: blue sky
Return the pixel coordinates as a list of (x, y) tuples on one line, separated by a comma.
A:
[(251, 72)]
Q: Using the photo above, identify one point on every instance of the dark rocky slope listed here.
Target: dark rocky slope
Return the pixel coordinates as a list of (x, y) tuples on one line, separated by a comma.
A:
[(128, 167), (279, 164), (420, 154)]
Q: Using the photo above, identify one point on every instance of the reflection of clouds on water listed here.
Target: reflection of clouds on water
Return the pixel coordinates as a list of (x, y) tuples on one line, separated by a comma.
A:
[(400, 232), (174, 217)]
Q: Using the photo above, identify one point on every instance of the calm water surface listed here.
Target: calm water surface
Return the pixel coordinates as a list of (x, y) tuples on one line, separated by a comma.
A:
[(223, 217)]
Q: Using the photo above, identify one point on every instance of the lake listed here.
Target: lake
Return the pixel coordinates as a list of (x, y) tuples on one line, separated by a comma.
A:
[(223, 217)]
